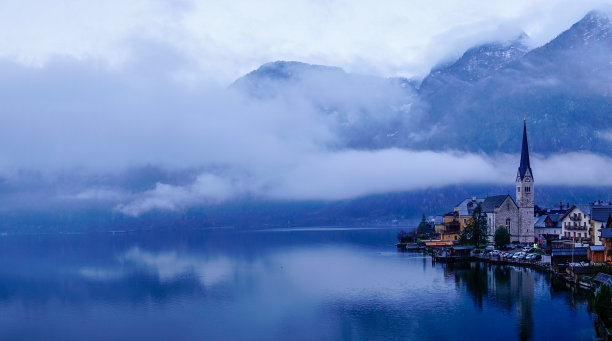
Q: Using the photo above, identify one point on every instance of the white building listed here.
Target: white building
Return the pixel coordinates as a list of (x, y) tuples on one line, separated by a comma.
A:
[(575, 224)]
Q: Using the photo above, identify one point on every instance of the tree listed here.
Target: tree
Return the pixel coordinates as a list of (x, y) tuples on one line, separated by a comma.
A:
[(502, 237), (475, 233), (423, 226), (404, 237), (603, 304)]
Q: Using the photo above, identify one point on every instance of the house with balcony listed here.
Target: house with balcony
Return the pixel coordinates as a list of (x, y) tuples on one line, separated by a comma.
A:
[(575, 224), (451, 227)]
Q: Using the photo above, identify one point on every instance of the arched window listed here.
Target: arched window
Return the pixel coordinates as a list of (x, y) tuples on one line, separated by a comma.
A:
[(508, 224)]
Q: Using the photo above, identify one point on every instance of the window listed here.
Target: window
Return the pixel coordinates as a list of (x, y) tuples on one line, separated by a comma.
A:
[(518, 189), (508, 224), (527, 189)]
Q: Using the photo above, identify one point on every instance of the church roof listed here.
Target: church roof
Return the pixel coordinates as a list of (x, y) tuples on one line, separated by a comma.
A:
[(525, 165), (491, 203)]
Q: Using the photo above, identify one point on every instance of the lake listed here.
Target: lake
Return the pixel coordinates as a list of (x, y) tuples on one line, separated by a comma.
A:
[(275, 284)]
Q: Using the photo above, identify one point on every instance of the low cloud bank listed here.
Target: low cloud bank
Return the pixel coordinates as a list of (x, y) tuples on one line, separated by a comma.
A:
[(352, 174)]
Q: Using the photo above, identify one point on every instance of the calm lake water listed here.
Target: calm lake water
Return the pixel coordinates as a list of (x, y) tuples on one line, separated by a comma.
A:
[(307, 284)]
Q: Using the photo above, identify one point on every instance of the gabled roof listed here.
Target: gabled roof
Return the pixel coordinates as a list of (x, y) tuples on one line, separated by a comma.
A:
[(571, 209), (555, 218), (491, 203), (524, 166), (540, 222), (606, 233), (601, 213), (467, 206)]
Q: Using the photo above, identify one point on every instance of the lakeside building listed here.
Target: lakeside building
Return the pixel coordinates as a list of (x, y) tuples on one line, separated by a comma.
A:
[(501, 210), (547, 227), (525, 222), (599, 217), (517, 216), (575, 224)]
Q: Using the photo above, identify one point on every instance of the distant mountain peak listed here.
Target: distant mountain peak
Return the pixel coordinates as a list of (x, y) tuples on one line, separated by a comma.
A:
[(290, 69), (483, 60), (595, 27)]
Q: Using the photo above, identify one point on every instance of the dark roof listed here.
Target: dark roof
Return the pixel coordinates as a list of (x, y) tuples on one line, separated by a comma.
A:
[(540, 222), (491, 203), (597, 247), (555, 217), (467, 206), (576, 251), (601, 213), (606, 233), (524, 166), (463, 247), (603, 279), (571, 209)]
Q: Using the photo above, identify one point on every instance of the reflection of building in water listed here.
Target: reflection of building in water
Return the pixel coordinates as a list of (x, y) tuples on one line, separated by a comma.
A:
[(506, 286), (524, 307)]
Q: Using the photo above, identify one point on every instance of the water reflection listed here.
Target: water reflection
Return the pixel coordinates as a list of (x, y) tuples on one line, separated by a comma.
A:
[(236, 285)]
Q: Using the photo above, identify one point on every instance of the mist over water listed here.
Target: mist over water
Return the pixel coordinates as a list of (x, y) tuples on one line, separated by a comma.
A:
[(269, 284)]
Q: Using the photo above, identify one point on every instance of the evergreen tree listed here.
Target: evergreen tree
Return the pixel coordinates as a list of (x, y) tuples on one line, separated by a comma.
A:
[(502, 237), (603, 304), (475, 233), (423, 226)]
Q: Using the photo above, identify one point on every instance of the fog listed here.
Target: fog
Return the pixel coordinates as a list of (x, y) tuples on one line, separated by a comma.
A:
[(80, 126)]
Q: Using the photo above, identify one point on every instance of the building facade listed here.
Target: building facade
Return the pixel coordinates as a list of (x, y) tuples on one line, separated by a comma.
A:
[(599, 217), (501, 210), (575, 224)]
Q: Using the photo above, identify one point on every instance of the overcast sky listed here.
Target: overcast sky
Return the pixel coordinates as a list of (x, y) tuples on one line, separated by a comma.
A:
[(229, 38), (102, 86)]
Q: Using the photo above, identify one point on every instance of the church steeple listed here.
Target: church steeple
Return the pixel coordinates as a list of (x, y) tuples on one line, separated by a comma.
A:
[(524, 194), (524, 166)]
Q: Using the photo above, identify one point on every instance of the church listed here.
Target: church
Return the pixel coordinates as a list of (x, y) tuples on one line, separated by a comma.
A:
[(516, 216)]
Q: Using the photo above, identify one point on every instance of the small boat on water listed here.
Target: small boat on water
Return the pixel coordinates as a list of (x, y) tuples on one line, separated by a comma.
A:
[(407, 246)]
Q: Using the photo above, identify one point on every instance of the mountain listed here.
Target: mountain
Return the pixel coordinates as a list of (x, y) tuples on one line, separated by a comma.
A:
[(477, 63), (562, 87), (475, 103), (363, 111)]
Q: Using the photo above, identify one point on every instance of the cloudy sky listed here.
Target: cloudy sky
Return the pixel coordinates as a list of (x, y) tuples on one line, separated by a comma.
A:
[(98, 87), (226, 39)]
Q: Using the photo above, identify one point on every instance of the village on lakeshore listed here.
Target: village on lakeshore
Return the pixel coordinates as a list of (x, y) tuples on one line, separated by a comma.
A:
[(572, 241)]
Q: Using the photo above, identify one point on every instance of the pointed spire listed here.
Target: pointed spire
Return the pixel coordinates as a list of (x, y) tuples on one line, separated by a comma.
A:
[(524, 166)]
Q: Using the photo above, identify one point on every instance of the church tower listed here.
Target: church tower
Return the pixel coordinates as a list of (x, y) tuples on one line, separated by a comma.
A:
[(524, 193)]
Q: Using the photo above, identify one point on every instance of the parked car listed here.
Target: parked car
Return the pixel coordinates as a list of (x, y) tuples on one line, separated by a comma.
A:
[(518, 255)]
